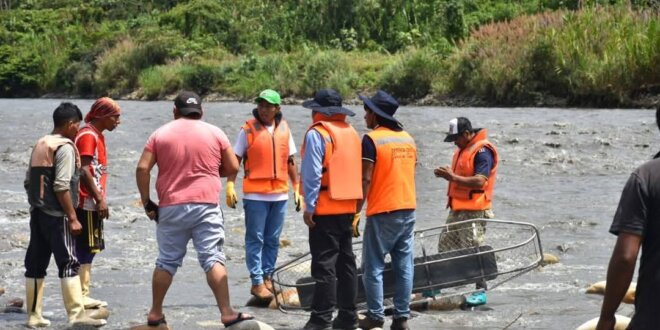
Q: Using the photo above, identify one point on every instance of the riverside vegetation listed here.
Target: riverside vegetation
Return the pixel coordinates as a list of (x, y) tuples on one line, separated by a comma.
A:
[(603, 53)]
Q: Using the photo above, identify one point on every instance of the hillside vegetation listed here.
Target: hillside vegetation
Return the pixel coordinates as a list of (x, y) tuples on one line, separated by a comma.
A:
[(487, 52)]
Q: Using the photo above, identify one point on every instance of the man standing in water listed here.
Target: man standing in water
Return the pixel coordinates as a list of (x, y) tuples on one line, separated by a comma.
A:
[(93, 206), (331, 176), (52, 187), (471, 179), (191, 156), (636, 225), (266, 147), (389, 155)]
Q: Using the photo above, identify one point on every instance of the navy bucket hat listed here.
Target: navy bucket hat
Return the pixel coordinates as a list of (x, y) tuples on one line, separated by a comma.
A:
[(383, 104), (328, 102)]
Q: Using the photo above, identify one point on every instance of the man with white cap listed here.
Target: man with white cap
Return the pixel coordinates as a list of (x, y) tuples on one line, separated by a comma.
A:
[(471, 179)]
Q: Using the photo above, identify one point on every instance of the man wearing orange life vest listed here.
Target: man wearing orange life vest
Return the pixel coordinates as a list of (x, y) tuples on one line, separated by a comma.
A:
[(389, 155), (266, 147), (331, 175), (471, 179)]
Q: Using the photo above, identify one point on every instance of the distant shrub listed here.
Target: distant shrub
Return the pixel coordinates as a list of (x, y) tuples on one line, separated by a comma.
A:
[(410, 77)]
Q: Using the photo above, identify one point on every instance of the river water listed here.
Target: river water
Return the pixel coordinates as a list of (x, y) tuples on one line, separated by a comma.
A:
[(561, 170)]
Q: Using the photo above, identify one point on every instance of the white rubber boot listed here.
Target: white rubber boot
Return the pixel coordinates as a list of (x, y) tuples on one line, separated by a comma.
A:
[(85, 273), (73, 303), (34, 289)]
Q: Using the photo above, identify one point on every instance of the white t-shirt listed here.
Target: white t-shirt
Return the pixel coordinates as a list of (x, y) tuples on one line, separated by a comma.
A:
[(240, 148)]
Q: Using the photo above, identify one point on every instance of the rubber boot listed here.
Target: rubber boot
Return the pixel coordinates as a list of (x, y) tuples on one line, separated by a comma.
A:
[(34, 289), (73, 303), (85, 273)]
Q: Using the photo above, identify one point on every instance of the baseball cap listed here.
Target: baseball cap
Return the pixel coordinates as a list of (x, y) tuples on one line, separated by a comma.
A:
[(269, 96), (188, 103), (456, 127)]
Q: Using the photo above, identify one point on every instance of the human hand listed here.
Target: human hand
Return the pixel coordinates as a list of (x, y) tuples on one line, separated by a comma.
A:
[(307, 216), (444, 172), (102, 209), (356, 224), (297, 197), (230, 194), (151, 209), (74, 226)]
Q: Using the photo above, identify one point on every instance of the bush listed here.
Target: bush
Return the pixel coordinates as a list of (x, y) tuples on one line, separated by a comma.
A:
[(410, 77)]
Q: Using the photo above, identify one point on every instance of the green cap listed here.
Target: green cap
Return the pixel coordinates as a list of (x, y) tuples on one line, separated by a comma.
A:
[(269, 96)]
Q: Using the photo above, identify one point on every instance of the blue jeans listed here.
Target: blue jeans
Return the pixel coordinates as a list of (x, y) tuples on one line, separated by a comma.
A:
[(388, 233), (263, 225)]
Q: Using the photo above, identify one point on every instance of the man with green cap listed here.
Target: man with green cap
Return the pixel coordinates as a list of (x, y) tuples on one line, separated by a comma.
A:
[(265, 147)]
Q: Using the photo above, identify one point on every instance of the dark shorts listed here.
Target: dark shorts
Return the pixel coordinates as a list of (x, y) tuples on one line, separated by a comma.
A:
[(91, 239)]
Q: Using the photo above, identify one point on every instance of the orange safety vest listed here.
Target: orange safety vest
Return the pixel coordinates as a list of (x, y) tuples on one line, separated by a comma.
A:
[(393, 179), (341, 181), (266, 161), (466, 198)]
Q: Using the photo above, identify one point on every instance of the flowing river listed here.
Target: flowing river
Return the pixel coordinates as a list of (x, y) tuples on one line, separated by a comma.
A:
[(561, 170)]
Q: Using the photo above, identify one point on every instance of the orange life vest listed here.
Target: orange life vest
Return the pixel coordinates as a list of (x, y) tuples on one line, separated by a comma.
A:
[(266, 160), (473, 199), (393, 179), (341, 181)]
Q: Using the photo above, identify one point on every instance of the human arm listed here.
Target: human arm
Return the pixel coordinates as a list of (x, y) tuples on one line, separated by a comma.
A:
[(143, 179), (229, 164), (629, 224), (87, 179), (311, 170), (231, 198), (475, 181), (483, 163), (64, 172), (619, 275)]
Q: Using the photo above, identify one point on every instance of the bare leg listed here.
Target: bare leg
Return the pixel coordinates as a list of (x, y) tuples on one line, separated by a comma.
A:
[(160, 283), (217, 280)]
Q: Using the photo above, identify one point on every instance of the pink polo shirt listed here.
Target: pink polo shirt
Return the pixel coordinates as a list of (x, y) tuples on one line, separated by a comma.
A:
[(188, 154)]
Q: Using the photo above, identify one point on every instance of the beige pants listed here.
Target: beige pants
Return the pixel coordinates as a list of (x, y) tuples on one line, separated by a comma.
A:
[(462, 236)]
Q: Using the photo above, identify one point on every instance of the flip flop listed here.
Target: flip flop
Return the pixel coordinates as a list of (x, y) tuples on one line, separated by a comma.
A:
[(239, 318), (157, 322)]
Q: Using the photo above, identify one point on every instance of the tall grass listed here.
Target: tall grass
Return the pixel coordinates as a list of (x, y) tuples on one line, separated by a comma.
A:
[(597, 56)]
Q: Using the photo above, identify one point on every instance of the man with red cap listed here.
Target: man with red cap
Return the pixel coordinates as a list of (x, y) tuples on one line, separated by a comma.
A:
[(93, 207)]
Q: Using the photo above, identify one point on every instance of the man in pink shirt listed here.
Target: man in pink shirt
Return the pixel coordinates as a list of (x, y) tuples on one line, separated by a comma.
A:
[(191, 156)]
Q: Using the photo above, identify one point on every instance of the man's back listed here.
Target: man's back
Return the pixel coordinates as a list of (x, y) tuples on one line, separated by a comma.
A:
[(639, 213), (188, 154)]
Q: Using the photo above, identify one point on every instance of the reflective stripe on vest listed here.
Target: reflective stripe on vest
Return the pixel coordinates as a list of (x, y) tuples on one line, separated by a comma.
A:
[(466, 198), (341, 181), (266, 161), (393, 178)]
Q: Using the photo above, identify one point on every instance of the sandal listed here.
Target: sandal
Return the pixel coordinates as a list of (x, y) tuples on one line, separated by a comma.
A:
[(157, 322), (239, 318)]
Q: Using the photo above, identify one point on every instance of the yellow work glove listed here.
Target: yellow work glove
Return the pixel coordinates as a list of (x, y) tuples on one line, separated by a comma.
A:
[(297, 198), (356, 225), (231, 195)]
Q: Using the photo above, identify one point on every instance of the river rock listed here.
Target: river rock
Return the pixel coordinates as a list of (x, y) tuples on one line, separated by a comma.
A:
[(549, 259), (146, 327), (98, 313), (244, 325), (2, 291), (15, 302), (288, 297), (285, 243), (256, 302), (621, 323), (599, 288), (12, 309)]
